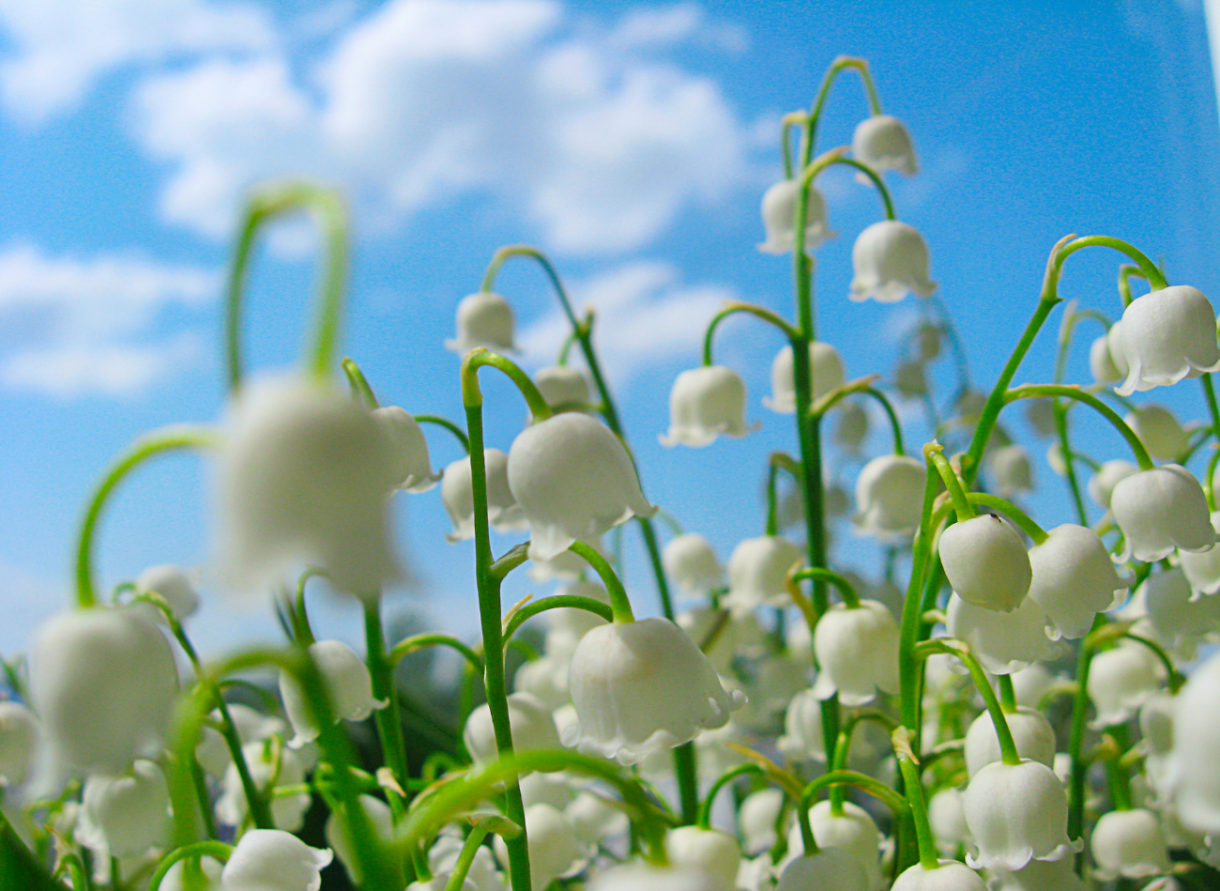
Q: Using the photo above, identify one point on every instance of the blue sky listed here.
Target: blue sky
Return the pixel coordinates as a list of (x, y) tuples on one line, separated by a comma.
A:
[(633, 142)]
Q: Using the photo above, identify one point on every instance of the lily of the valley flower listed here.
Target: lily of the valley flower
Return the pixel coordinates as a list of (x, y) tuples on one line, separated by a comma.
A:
[(1016, 813), (758, 570), (1073, 578), (986, 563), (1160, 509), (706, 402), (857, 649), (1031, 731), (825, 368), (691, 562), (457, 494), (411, 468), (1129, 844), (883, 143), (486, 320), (779, 213), (1194, 762), (889, 491), (19, 734), (891, 260), (1168, 335), (348, 685), (529, 720), (271, 860), (561, 384)]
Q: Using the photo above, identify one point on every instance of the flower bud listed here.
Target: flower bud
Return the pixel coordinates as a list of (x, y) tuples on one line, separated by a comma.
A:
[(126, 814), (1101, 485), (883, 143), (565, 627), (825, 369), (890, 260), (1101, 363), (1073, 578), (1003, 642), (691, 563), (457, 494), (828, 868), (103, 682), (562, 384), (706, 402), (1031, 731), (484, 319), (574, 480), (889, 496), (950, 875), (1016, 813), (758, 571), (714, 853), (19, 736), (1167, 335), (531, 723), (1160, 431), (177, 587), (554, 850), (857, 649), (348, 686), (986, 563), (271, 860), (757, 818), (639, 687), (1160, 509), (779, 217), (1129, 844), (411, 469)]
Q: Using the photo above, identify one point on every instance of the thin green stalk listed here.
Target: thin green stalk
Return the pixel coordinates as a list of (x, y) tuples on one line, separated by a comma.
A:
[(302, 630), (709, 801), (387, 717), (506, 829), (874, 787), (557, 601), (734, 307), (453, 428), (1008, 747), (620, 605), (840, 64), (1008, 693), (1209, 487), (862, 385), (168, 439), (480, 357), (1010, 510), (776, 462), (847, 590), (409, 645), (1080, 706), (887, 203), (909, 766), (1213, 409), (843, 749), (1037, 391), (263, 207), (1125, 272), (359, 384), (910, 668), (1070, 317), (214, 849), (790, 120), (934, 455)]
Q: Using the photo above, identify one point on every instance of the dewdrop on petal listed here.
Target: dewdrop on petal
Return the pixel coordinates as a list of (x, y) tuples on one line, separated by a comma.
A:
[(825, 368), (1074, 578), (1101, 484), (125, 814), (1003, 642), (639, 687), (531, 723), (103, 683), (889, 496), (271, 860), (301, 477), (758, 572), (1016, 813), (779, 217), (691, 563), (1031, 731), (1161, 433), (1167, 335), (457, 494), (484, 319), (705, 403), (574, 480), (348, 685), (1203, 569), (883, 143), (1160, 509), (986, 563), (890, 260), (950, 875), (857, 649), (1129, 844), (411, 467)]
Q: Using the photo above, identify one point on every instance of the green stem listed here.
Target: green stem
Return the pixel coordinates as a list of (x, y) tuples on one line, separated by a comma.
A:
[(1209, 488), (877, 181), (874, 787), (620, 606), (453, 428), (775, 463), (1174, 678), (472, 396), (470, 848), (907, 763), (301, 628), (1008, 694), (864, 386), (709, 801), (1071, 317), (790, 120), (1008, 747), (851, 599), (1010, 510), (843, 749), (263, 207), (359, 384), (734, 307), (167, 439), (557, 601), (1125, 272), (21, 864), (910, 668), (409, 645), (838, 65), (214, 849), (1213, 409), (934, 455), (387, 717), (1037, 391)]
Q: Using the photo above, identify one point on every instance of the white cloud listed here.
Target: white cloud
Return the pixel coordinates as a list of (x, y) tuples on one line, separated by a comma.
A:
[(59, 48), (424, 101), (645, 316), (666, 26), (73, 326)]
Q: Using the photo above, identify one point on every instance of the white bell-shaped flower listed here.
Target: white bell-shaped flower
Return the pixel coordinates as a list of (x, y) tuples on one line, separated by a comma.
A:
[(825, 368), (986, 563), (643, 686), (948, 820), (1031, 731), (457, 494), (803, 739), (1203, 569), (302, 477), (883, 143), (177, 586), (483, 875), (1121, 679), (852, 830), (554, 850), (835, 868), (889, 496), (779, 217), (1194, 762), (1003, 642), (1044, 875), (950, 875), (1012, 469), (103, 683), (530, 720), (1129, 844), (758, 570), (714, 853), (1160, 431), (1168, 335), (175, 880), (340, 840), (271, 766), (1175, 621), (125, 814), (1033, 683), (484, 319), (562, 384), (595, 820), (546, 678), (758, 817), (706, 402), (890, 260), (348, 685), (411, 466), (566, 566), (1073, 578), (1102, 483), (690, 562), (271, 860), (637, 876), (852, 427), (1101, 364), (574, 480), (857, 650), (1160, 509), (1016, 813), (19, 737)]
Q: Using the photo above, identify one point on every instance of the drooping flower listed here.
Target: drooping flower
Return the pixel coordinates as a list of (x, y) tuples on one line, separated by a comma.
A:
[(834, 868), (126, 814), (1129, 844), (562, 385), (883, 143), (706, 402), (1194, 762), (177, 587), (825, 369), (457, 494), (890, 260), (639, 687), (19, 732), (714, 853), (271, 860), (574, 480), (1031, 731), (339, 837), (1003, 642), (1102, 483), (271, 767), (484, 319), (529, 720), (1160, 509), (1016, 813), (857, 649), (690, 561), (889, 496), (1159, 430), (1167, 335), (411, 468), (1101, 363), (348, 686), (851, 830), (986, 563), (1073, 578), (949, 875), (1121, 679), (758, 570), (779, 216), (1203, 569), (803, 739), (554, 850)]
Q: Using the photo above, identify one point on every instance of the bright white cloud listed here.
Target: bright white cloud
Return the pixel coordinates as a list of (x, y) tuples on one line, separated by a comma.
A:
[(74, 326), (666, 26), (423, 101), (59, 48), (646, 316)]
